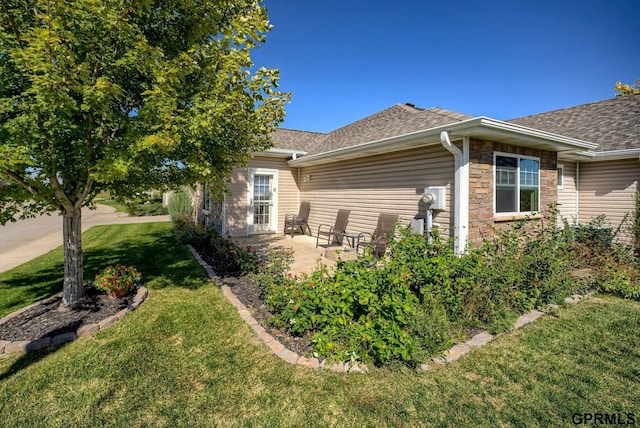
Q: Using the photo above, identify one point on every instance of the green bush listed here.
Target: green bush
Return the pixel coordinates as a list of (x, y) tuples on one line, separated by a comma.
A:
[(423, 297), (358, 313), (187, 232), (146, 208), (225, 257)]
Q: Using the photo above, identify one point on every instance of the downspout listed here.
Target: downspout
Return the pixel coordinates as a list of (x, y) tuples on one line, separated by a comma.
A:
[(577, 192), (298, 186), (461, 190)]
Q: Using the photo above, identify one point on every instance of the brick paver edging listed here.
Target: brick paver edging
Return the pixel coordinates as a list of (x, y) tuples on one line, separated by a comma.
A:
[(10, 347), (276, 347), (290, 357)]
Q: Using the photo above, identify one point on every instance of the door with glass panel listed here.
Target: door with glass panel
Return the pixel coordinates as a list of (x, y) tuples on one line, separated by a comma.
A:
[(263, 216)]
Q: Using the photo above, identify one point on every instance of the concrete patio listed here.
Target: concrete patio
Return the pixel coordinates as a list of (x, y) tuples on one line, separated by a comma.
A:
[(306, 256)]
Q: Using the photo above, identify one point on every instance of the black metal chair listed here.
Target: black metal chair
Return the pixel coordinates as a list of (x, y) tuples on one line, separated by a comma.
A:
[(300, 221), (379, 240), (336, 231)]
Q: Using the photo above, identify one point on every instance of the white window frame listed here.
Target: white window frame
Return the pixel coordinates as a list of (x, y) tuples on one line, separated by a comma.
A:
[(560, 176), (495, 200)]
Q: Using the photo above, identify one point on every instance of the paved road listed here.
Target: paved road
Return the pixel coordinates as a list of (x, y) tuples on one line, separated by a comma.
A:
[(30, 238)]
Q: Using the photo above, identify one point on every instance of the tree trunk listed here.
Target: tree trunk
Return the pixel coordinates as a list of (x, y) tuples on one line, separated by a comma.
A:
[(73, 288)]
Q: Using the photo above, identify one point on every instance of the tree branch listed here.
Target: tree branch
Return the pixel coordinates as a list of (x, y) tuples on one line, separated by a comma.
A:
[(62, 197), (21, 181), (84, 194)]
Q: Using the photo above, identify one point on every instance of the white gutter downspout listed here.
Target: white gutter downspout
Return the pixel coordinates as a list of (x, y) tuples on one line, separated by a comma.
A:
[(577, 192), (461, 191)]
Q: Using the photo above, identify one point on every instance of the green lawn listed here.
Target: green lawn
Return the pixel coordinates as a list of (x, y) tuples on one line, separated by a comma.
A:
[(185, 358)]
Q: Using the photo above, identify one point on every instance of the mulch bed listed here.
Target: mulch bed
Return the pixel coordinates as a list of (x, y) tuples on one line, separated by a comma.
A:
[(250, 294), (47, 320)]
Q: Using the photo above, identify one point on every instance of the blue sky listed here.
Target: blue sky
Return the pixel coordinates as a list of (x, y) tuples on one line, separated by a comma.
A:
[(344, 60)]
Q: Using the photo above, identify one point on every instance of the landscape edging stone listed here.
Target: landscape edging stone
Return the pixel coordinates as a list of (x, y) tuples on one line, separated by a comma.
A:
[(10, 347)]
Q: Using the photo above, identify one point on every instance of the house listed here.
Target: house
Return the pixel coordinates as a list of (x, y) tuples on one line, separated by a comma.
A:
[(603, 180), (491, 172)]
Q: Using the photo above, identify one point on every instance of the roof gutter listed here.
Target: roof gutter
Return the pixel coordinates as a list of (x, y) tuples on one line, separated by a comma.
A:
[(480, 127), (616, 154), (281, 153), (461, 191)]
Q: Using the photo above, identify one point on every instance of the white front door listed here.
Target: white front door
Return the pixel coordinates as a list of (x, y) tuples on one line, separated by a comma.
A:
[(262, 213)]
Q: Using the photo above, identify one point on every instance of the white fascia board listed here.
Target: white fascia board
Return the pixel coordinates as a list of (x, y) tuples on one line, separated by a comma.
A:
[(475, 127), (280, 153), (530, 135), (616, 154)]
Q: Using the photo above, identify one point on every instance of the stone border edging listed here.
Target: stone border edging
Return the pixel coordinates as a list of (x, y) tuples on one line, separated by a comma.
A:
[(10, 347), (277, 348), (450, 355), (484, 337)]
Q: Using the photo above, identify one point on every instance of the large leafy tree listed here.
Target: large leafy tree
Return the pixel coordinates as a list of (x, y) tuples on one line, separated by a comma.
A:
[(125, 95)]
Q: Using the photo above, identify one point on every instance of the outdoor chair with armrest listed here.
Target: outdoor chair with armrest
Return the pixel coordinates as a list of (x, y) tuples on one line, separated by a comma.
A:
[(381, 236), (337, 230), (299, 221)]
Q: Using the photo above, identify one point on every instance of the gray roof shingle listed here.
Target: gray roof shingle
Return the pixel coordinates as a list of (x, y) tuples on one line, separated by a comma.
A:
[(614, 124), (291, 139), (396, 120)]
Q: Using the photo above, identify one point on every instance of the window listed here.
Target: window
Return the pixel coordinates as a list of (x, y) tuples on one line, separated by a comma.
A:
[(206, 198), (517, 184), (560, 176)]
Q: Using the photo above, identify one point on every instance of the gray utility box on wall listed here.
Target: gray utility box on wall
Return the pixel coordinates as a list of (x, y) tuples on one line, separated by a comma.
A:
[(440, 195)]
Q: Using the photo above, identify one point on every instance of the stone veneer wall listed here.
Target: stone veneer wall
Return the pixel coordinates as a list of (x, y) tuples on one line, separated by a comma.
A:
[(481, 216)]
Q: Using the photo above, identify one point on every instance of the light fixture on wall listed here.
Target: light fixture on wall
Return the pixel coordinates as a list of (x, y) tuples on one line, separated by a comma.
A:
[(306, 178)]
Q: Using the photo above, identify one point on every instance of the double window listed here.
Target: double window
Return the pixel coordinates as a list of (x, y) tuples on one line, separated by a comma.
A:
[(517, 184)]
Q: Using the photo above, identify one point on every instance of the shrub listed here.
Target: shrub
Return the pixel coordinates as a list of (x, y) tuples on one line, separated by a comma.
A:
[(355, 314), (187, 232), (226, 258), (118, 280), (146, 208), (423, 297), (231, 259)]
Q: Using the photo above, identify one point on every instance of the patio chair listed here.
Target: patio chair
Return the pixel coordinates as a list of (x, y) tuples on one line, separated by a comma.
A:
[(300, 221), (379, 239), (337, 230)]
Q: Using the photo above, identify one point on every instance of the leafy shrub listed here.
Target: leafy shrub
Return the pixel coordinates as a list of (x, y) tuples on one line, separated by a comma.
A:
[(186, 230), (118, 280), (226, 258), (146, 208), (231, 259), (358, 313), (423, 297)]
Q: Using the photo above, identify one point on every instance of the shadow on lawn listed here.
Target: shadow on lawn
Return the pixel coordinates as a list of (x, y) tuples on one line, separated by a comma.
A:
[(162, 261), (25, 361)]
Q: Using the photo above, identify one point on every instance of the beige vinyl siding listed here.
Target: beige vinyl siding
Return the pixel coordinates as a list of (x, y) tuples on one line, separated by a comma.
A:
[(567, 196), (390, 183), (237, 201), (608, 188)]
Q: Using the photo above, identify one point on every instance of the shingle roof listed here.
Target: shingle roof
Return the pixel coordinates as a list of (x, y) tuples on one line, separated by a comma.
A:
[(291, 139), (397, 120), (614, 124)]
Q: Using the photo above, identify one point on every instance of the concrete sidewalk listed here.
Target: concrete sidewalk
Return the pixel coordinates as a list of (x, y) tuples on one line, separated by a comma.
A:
[(27, 239)]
